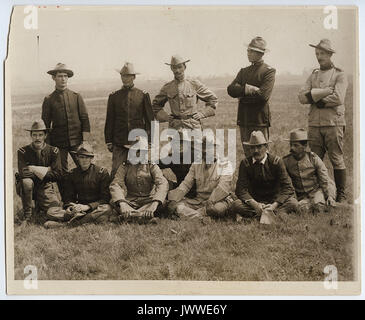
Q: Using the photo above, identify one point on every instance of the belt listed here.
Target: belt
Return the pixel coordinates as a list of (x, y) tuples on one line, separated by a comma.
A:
[(182, 117)]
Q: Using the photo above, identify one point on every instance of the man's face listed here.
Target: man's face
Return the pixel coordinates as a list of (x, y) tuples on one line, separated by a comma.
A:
[(297, 149), (84, 161), (258, 152), (61, 79), (128, 79), (179, 71), (254, 56), (38, 138), (323, 57)]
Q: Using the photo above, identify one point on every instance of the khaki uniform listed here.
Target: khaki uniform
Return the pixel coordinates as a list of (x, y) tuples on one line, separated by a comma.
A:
[(183, 97), (310, 179), (327, 117), (213, 183), (44, 191), (138, 185)]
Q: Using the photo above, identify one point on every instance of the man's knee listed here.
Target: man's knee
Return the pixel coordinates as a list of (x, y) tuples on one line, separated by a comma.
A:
[(218, 210), (290, 205), (241, 208), (28, 185)]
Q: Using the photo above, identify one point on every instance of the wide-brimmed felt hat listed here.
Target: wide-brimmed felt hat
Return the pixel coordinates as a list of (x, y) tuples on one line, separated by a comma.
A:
[(140, 144), (324, 44), (176, 59), (38, 125), (61, 67), (84, 150), (257, 138), (298, 135), (127, 69), (258, 44)]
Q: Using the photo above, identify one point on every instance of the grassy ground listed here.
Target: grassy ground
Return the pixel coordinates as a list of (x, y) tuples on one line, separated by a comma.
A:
[(298, 248)]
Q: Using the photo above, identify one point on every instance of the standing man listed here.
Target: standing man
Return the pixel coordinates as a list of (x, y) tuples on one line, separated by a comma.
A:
[(65, 112), (182, 95), (309, 175), (263, 183), (86, 197), (128, 108), (253, 86), (325, 91), (39, 169)]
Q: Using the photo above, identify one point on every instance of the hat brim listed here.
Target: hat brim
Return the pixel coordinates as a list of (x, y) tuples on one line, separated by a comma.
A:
[(257, 49), (175, 64), (132, 74), (255, 144), (322, 48), (129, 146), (91, 155), (68, 71), (46, 129)]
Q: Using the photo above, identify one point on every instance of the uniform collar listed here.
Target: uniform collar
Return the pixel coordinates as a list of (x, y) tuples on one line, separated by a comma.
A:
[(327, 67), (258, 63), (262, 161), (128, 88), (41, 149), (60, 91), (88, 169)]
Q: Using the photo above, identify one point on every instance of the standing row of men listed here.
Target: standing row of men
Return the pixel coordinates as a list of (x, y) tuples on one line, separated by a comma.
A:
[(129, 108)]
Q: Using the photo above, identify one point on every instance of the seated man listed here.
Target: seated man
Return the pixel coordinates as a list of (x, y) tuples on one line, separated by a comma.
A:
[(263, 183), (213, 186), (309, 175), (39, 169), (139, 188), (86, 194)]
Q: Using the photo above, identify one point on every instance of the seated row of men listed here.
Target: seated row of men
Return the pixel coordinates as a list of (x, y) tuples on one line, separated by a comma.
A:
[(266, 184)]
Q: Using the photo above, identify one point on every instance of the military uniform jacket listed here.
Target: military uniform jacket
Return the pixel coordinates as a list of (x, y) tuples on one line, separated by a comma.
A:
[(253, 110), (139, 184), (47, 157), (333, 111), (268, 182), (90, 187), (127, 109), (65, 112), (183, 97), (308, 174)]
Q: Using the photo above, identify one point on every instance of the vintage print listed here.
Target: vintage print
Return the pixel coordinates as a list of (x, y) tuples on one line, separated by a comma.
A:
[(213, 150)]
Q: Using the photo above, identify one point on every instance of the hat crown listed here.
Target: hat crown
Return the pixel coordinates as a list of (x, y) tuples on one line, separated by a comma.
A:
[(298, 135), (85, 149), (324, 44), (38, 125), (177, 59), (128, 69), (258, 43), (61, 67), (257, 138)]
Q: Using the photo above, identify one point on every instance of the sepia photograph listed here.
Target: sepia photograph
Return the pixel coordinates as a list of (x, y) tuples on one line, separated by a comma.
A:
[(182, 150)]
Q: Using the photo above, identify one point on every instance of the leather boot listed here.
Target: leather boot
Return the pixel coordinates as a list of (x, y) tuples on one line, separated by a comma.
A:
[(340, 180)]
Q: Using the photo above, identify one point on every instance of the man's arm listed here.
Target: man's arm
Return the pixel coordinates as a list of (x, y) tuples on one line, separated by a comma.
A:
[(265, 89), (304, 95), (46, 116), (109, 122), (208, 96), (147, 113), (184, 187), (337, 97), (162, 186), (118, 189), (158, 104), (55, 170), (223, 188), (235, 89), (322, 174), (69, 193), (242, 183), (286, 189), (84, 118), (104, 182)]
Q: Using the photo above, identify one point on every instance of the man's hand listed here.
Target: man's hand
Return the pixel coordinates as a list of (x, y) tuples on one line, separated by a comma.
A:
[(27, 173), (110, 147), (151, 209), (125, 208), (209, 204), (272, 206), (198, 115), (331, 202), (257, 206), (250, 89), (81, 207)]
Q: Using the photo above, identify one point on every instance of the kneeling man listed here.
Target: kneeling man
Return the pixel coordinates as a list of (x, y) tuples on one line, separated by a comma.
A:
[(86, 194), (309, 175), (263, 183)]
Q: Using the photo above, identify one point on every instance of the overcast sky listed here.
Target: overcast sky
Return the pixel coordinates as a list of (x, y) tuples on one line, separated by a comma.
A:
[(94, 41)]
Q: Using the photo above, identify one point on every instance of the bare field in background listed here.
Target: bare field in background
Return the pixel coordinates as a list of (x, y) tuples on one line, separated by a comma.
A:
[(297, 249)]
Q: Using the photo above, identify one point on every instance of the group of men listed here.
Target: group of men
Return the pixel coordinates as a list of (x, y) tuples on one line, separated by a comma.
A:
[(266, 186)]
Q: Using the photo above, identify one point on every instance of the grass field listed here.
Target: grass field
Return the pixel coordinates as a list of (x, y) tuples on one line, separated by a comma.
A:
[(298, 248)]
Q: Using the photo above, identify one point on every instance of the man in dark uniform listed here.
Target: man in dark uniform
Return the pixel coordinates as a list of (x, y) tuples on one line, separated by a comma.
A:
[(253, 86), (263, 183), (87, 196), (128, 108), (39, 169), (65, 112), (325, 90)]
